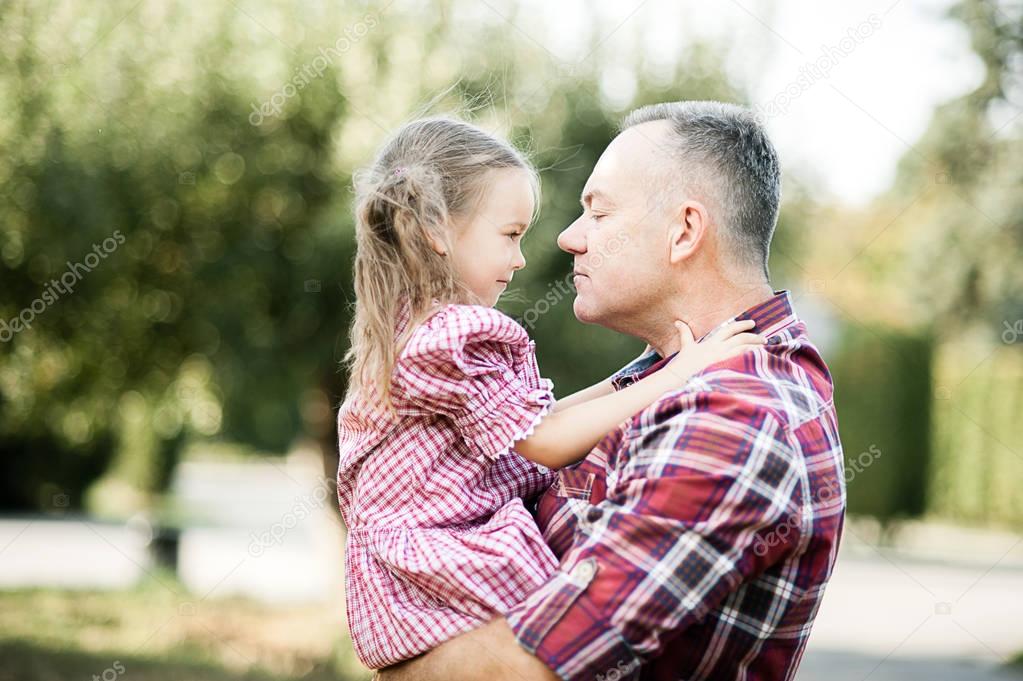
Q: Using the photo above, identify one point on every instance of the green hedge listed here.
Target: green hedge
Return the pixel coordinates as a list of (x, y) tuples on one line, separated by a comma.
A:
[(883, 398), (978, 457)]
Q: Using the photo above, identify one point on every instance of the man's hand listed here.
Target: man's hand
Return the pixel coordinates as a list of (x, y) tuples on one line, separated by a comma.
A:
[(490, 653)]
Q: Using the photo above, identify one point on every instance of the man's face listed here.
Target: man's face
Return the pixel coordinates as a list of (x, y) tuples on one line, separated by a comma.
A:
[(620, 240)]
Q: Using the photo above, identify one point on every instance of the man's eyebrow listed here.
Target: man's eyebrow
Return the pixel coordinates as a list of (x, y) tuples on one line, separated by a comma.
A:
[(589, 196)]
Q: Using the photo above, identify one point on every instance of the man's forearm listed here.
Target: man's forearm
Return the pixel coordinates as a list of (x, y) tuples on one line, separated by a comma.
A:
[(490, 653)]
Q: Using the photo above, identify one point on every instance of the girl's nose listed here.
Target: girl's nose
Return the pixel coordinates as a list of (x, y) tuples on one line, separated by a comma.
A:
[(519, 261)]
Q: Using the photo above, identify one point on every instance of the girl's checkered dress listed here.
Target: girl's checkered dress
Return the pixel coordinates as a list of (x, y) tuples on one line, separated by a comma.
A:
[(439, 540)]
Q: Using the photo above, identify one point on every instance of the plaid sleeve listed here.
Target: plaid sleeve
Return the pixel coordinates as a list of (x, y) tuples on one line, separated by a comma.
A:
[(711, 493), (476, 366)]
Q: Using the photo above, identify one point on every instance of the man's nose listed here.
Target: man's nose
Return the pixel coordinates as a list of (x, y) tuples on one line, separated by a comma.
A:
[(573, 238)]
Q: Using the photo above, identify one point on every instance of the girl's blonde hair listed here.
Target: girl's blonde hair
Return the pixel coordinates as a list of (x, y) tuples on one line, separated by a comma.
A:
[(430, 174)]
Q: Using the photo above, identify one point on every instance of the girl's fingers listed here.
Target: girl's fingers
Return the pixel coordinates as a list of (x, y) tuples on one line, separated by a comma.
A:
[(747, 339), (738, 350), (732, 328), (685, 333), (737, 345)]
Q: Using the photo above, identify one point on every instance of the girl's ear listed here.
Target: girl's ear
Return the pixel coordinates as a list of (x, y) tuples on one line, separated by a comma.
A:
[(436, 245)]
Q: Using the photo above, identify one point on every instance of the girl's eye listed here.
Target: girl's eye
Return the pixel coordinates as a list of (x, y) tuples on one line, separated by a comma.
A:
[(597, 216)]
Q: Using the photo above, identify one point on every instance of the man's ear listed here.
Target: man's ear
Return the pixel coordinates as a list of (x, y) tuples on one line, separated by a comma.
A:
[(686, 231)]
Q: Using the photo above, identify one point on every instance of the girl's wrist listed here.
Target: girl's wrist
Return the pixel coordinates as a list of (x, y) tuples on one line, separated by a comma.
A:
[(671, 376)]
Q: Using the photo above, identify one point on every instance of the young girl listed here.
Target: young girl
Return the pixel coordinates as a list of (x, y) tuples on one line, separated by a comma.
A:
[(447, 425)]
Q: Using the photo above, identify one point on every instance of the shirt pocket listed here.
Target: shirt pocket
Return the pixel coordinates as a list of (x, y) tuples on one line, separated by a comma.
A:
[(575, 484)]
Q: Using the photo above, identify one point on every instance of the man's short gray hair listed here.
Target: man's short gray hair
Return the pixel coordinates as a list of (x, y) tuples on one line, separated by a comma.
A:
[(722, 150)]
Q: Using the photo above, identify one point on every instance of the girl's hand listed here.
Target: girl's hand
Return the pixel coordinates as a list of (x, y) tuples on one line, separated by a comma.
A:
[(726, 342)]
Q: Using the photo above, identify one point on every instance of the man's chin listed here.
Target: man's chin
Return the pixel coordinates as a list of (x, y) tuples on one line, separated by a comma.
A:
[(584, 311)]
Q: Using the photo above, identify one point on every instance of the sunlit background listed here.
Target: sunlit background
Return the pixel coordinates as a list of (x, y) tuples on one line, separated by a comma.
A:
[(175, 288)]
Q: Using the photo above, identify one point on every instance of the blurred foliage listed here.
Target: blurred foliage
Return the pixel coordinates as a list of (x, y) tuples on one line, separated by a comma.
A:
[(942, 247), (939, 255), (883, 397), (968, 170), (977, 461), (182, 325)]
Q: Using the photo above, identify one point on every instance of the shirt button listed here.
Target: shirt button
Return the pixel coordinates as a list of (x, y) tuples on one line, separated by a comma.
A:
[(583, 572), (542, 469), (594, 514)]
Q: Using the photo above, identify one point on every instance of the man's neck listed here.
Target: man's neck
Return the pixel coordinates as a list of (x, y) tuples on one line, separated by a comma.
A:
[(705, 311)]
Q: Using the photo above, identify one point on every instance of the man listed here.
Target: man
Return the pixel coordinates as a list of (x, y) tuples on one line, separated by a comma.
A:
[(696, 540)]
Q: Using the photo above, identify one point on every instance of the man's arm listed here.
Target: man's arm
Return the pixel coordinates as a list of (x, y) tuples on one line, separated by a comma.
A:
[(708, 476), (490, 653)]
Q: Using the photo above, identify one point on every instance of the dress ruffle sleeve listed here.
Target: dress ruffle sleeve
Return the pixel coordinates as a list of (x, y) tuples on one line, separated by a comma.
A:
[(477, 367)]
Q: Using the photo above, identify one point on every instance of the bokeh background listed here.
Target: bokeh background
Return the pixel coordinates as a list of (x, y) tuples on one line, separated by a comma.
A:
[(176, 242)]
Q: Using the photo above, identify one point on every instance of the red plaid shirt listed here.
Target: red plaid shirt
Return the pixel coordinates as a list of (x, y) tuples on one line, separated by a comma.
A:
[(696, 540)]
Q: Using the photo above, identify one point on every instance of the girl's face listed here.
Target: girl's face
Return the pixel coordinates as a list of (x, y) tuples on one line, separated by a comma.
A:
[(487, 248)]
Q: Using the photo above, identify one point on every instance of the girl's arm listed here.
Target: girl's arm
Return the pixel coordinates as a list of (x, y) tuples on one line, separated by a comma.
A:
[(586, 394), (566, 436)]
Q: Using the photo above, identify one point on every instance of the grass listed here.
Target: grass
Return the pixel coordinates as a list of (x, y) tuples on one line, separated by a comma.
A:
[(159, 632)]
